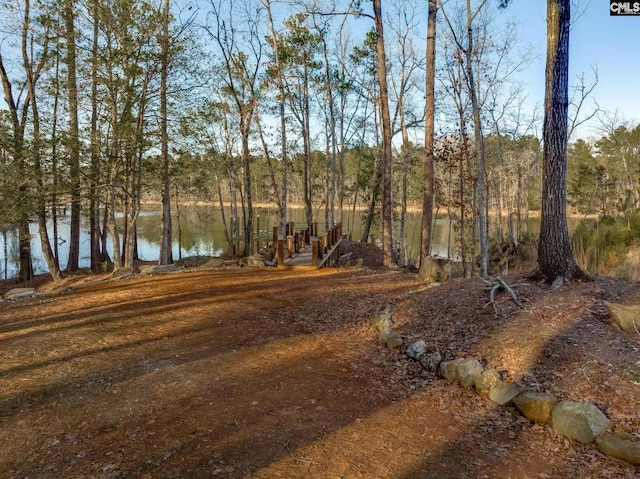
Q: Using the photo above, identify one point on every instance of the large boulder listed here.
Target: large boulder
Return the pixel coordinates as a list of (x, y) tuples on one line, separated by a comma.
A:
[(621, 445), (535, 406), (626, 317), (581, 421)]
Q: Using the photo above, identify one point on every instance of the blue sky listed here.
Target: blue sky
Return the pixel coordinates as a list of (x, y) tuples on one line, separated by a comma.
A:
[(612, 44)]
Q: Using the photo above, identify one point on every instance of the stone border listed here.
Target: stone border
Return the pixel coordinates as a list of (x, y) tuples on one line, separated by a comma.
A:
[(580, 421)]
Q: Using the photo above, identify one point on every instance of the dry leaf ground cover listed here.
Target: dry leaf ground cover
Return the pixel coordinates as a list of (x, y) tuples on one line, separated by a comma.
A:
[(278, 374)]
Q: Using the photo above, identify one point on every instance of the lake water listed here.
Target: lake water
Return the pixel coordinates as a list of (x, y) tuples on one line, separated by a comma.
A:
[(201, 234)]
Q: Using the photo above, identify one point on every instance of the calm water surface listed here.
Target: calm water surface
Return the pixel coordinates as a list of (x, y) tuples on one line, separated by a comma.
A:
[(197, 230)]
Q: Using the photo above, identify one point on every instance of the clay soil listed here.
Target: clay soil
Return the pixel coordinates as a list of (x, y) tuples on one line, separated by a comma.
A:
[(279, 374)]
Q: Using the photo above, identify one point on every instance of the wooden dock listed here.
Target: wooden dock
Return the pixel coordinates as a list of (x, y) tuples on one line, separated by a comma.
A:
[(304, 249), (305, 257)]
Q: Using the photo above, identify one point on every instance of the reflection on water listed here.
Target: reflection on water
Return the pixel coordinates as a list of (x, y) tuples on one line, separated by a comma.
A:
[(197, 230)]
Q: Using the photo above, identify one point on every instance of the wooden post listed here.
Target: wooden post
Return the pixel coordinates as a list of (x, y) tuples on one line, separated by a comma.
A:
[(280, 253), (290, 245), (315, 251)]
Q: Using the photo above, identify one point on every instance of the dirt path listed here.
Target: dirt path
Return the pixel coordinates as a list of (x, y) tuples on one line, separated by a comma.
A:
[(238, 374)]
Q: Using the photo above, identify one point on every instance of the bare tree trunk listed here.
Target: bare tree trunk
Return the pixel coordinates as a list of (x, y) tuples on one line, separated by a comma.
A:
[(74, 137), (428, 191), (479, 144), (247, 191), (94, 206), (165, 241), (111, 224), (375, 191), (54, 160), (555, 258), (224, 218), (330, 206), (45, 244), (387, 156)]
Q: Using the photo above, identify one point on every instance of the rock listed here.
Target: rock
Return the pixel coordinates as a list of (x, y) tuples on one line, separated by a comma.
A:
[(384, 334), (198, 261), (625, 317), (431, 361), (164, 268), (469, 370), (581, 421), (254, 261), (559, 281), (383, 320), (214, 262), (394, 340), (487, 380), (417, 349), (435, 270), (148, 269), (346, 259), (381, 323), (118, 273), (621, 445), (535, 406), (449, 370), (503, 393), (463, 370), (387, 313), (17, 293)]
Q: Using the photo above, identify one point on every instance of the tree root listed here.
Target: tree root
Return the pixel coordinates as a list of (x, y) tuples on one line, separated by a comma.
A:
[(498, 284)]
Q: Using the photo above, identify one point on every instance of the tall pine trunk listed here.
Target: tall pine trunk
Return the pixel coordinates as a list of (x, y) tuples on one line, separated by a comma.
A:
[(387, 157), (94, 205), (165, 241), (555, 258), (74, 137), (428, 186)]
